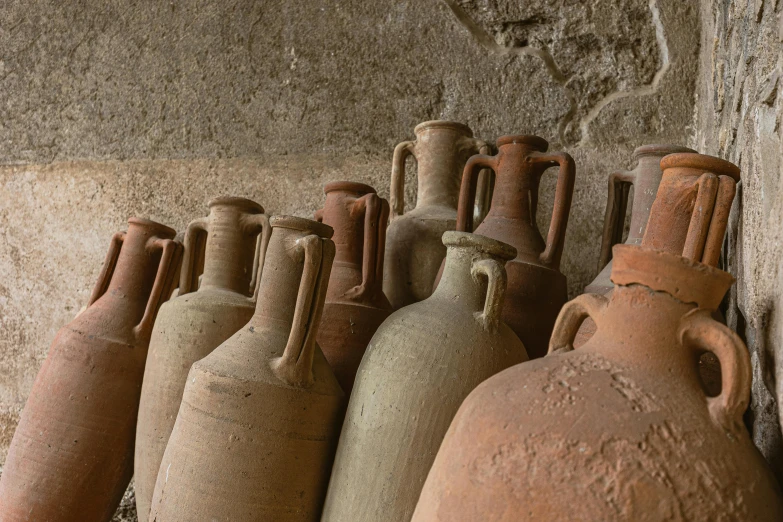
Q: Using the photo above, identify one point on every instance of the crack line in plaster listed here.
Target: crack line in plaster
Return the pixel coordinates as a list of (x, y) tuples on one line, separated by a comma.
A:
[(486, 41), (489, 43), (644, 90)]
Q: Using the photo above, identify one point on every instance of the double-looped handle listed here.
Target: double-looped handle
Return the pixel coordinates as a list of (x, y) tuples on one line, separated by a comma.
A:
[(376, 216), (170, 259), (495, 273), (571, 317), (620, 183), (699, 332), (709, 218), (253, 225), (295, 366)]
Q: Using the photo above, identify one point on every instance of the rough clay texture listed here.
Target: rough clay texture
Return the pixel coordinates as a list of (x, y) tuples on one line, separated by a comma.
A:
[(111, 109), (738, 117)]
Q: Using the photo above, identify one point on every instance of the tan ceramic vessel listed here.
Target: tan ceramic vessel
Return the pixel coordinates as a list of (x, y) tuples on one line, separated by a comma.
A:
[(414, 250), (619, 429), (190, 326), (420, 365), (71, 457), (355, 303), (258, 424), (644, 178)]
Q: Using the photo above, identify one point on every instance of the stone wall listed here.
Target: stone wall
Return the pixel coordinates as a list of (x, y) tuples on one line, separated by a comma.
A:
[(111, 109), (738, 117)]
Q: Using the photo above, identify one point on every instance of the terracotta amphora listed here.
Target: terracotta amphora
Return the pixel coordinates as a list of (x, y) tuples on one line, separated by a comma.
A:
[(689, 218), (414, 250), (71, 457), (193, 324), (619, 429), (420, 365), (355, 303), (536, 287), (260, 416), (644, 178)]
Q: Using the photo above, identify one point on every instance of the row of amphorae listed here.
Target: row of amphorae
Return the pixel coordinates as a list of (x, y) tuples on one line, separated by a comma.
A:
[(339, 370)]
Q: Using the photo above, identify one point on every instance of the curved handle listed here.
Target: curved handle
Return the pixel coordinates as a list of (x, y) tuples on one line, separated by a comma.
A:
[(376, 214), (564, 190), (195, 244), (467, 190), (614, 220), (701, 333), (727, 189), (258, 225), (495, 272), (295, 366), (706, 192), (483, 187), (107, 271), (571, 317), (397, 192), (164, 282)]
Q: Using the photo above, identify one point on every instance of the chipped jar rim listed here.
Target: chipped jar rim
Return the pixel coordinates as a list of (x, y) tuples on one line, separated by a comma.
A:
[(701, 162), (536, 142), (444, 124), (236, 201), (348, 186), (481, 243), (305, 225)]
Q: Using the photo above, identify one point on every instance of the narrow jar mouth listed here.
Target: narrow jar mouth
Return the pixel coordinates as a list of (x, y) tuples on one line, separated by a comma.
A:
[(687, 280), (234, 201), (305, 225), (481, 243), (701, 162), (444, 124), (162, 230), (659, 149), (534, 142), (348, 186)]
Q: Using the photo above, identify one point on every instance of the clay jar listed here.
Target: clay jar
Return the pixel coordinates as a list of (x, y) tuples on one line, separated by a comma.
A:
[(414, 250), (644, 178), (71, 457), (256, 431), (619, 429), (355, 303), (193, 324), (420, 365), (536, 288)]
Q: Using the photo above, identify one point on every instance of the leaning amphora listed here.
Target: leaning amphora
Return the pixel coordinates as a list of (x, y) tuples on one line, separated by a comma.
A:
[(420, 365), (688, 216), (619, 429), (414, 250), (260, 415), (229, 244), (355, 303), (71, 457), (644, 178), (536, 287)]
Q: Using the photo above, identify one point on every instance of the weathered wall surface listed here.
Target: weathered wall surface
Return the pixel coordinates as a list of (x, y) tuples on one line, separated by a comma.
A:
[(739, 112), (110, 109)]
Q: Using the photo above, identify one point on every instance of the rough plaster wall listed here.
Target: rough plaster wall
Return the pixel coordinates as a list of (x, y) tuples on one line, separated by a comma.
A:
[(739, 111), (110, 109)]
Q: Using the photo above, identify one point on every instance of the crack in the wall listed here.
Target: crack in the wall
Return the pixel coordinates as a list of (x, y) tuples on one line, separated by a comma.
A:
[(489, 43), (644, 90)]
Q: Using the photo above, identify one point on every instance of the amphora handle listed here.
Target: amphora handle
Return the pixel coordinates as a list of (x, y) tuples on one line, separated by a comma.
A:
[(164, 281), (571, 317), (397, 191), (709, 218), (376, 216), (109, 264), (701, 333), (620, 183), (495, 272), (295, 366), (563, 192), (467, 190), (257, 225), (195, 244)]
